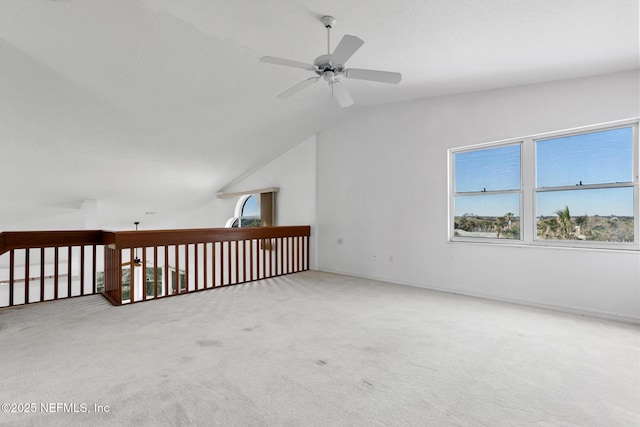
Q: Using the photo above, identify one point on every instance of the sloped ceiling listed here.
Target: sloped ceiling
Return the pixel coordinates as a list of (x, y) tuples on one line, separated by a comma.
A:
[(156, 105)]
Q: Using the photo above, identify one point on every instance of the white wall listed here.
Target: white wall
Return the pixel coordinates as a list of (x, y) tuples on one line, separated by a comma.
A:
[(382, 197), (294, 172)]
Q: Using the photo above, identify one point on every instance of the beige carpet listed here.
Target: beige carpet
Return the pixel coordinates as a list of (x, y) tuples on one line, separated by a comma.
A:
[(316, 349)]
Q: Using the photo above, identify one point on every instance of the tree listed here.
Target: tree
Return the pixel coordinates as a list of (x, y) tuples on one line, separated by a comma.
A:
[(565, 225), (498, 224), (508, 216)]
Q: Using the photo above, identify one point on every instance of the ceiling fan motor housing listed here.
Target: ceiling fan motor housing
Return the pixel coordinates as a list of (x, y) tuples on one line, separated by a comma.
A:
[(323, 64)]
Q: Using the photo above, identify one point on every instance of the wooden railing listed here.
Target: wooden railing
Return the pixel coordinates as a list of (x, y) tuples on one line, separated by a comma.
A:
[(134, 266), (38, 266)]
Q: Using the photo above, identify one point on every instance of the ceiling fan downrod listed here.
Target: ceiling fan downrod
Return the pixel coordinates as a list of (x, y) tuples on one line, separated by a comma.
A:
[(328, 21), (136, 260)]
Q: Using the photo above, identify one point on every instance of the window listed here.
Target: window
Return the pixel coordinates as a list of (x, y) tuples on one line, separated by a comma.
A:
[(487, 192), (247, 213), (576, 189), (584, 187)]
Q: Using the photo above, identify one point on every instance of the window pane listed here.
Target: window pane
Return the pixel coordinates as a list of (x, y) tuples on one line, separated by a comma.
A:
[(491, 215), (604, 215), (590, 158), (250, 208), (250, 214), (491, 169)]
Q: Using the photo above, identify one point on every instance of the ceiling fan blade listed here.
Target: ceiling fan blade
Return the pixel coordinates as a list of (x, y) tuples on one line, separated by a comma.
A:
[(135, 264), (287, 63), (341, 94), (373, 75), (345, 49), (297, 88)]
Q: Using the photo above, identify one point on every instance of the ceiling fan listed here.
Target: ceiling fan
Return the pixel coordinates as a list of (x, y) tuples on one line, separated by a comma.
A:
[(136, 260), (330, 67)]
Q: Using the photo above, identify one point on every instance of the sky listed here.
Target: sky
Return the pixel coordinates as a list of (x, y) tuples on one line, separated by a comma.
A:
[(591, 158), (250, 208)]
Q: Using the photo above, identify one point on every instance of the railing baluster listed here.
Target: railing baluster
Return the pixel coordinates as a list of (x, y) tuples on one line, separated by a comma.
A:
[(82, 270), (117, 267), (26, 276), (264, 259), (295, 254), (56, 272), (280, 269), (236, 243), (285, 255), (205, 259), (144, 274), (69, 253), (195, 266), (132, 276), (166, 271), (244, 260), (41, 274), (229, 259), (186, 268), (289, 254), (308, 256), (155, 272), (12, 262), (94, 268), (177, 288), (251, 260), (213, 264)]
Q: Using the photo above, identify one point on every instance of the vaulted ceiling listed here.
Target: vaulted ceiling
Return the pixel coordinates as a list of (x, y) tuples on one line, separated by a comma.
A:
[(155, 105)]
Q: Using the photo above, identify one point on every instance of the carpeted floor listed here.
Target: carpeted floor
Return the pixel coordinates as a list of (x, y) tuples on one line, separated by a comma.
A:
[(315, 349)]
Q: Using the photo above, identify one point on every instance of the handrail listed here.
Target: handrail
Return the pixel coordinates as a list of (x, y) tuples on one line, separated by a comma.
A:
[(48, 239), (133, 239)]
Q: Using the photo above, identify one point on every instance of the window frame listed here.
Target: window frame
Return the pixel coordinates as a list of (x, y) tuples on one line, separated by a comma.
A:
[(529, 190)]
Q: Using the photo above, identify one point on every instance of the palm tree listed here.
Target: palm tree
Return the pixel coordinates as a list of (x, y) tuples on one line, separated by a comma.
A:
[(499, 224), (508, 216), (565, 226)]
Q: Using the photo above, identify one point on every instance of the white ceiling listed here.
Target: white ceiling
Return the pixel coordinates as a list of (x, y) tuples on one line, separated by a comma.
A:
[(155, 105)]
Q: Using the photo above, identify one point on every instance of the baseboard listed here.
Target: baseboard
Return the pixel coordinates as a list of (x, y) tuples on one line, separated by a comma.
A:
[(559, 308)]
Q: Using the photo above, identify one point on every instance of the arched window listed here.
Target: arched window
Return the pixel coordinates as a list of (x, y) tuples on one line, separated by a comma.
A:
[(247, 213)]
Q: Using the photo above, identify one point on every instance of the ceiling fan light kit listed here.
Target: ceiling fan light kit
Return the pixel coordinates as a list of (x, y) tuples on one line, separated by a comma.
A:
[(330, 67)]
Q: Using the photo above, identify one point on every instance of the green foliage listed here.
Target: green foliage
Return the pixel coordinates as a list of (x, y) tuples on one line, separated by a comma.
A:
[(563, 226), (595, 228), (502, 227)]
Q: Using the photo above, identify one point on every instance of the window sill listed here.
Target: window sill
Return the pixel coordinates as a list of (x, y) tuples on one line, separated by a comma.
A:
[(622, 248)]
